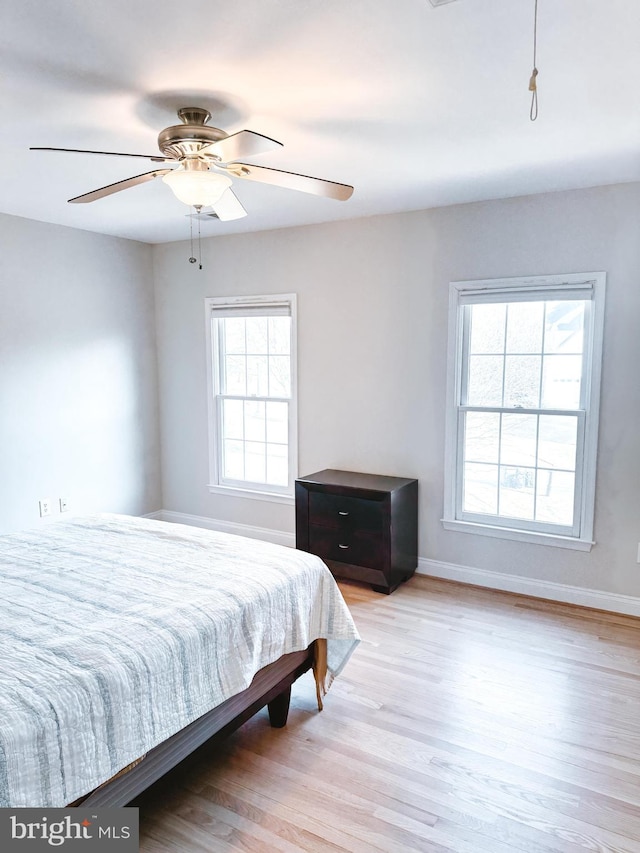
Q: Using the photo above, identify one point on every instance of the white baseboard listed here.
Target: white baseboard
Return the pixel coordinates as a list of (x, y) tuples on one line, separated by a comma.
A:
[(565, 593), (278, 537), (550, 590)]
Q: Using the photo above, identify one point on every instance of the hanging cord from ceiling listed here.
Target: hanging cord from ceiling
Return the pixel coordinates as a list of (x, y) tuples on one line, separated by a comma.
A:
[(193, 259), (533, 83)]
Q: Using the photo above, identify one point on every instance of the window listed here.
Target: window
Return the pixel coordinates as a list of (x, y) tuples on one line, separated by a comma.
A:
[(252, 404), (524, 376)]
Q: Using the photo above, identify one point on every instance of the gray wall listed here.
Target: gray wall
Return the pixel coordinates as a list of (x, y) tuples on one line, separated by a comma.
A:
[(372, 310), (78, 378)]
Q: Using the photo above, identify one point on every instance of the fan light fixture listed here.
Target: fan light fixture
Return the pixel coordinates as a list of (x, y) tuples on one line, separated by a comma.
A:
[(197, 187)]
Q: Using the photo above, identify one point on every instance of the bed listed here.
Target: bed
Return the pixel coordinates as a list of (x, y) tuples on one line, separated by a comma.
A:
[(126, 642)]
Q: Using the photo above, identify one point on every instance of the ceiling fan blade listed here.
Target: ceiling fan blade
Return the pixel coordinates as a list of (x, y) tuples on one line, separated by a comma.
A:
[(292, 181), (245, 143), (156, 158), (94, 195), (228, 207)]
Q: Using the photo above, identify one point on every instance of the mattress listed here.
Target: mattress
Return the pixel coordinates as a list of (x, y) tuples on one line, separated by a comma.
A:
[(116, 632)]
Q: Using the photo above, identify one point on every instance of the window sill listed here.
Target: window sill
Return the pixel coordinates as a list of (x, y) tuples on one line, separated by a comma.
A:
[(518, 535), (233, 492)]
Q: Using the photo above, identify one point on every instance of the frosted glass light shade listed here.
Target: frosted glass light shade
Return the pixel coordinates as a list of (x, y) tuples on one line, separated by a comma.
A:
[(197, 188)]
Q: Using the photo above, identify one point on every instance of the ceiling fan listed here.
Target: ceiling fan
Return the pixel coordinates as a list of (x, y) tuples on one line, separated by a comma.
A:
[(207, 159)]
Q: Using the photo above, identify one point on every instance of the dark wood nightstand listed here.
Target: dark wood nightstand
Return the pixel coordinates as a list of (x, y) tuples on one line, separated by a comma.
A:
[(364, 526)]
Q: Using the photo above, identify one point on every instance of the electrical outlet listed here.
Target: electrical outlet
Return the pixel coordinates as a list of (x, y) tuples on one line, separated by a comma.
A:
[(45, 507), (64, 504)]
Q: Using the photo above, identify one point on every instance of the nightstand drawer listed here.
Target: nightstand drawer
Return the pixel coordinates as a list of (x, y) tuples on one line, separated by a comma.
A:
[(347, 547), (346, 512)]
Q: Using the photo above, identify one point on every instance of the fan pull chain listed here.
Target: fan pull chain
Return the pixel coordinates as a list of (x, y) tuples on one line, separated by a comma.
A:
[(533, 85), (192, 260)]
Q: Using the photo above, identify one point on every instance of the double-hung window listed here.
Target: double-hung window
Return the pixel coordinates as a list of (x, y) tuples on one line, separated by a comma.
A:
[(252, 401), (523, 395)]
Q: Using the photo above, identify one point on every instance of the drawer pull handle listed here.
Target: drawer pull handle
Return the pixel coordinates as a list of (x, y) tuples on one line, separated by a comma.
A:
[(342, 512), (344, 547)]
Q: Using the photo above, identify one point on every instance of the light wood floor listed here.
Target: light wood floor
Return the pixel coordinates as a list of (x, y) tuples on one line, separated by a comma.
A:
[(467, 721)]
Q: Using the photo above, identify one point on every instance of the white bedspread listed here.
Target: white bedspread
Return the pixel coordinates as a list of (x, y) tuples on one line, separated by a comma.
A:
[(116, 632)]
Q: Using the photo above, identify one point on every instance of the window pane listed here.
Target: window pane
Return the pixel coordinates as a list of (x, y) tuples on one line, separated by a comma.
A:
[(487, 328), (235, 375), (233, 424), (279, 376), (278, 423), (257, 376), (557, 442), (555, 497), (277, 465), (524, 327), (522, 381), (257, 335), (254, 421), (516, 492), (485, 380), (564, 327), (518, 440), (561, 375), (481, 435), (280, 335), (255, 464), (480, 488), (233, 336), (233, 462)]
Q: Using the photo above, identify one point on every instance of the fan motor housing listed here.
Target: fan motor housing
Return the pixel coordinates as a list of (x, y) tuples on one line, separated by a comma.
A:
[(182, 140)]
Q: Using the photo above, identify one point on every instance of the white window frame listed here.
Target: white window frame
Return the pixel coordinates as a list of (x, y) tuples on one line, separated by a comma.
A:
[(275, 494), (579, 536)]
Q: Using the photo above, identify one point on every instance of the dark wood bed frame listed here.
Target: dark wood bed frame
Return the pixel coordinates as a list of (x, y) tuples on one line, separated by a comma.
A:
[(271, 686)]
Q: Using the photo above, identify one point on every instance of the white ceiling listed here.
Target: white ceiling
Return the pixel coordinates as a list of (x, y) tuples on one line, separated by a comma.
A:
[(415, 106)]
